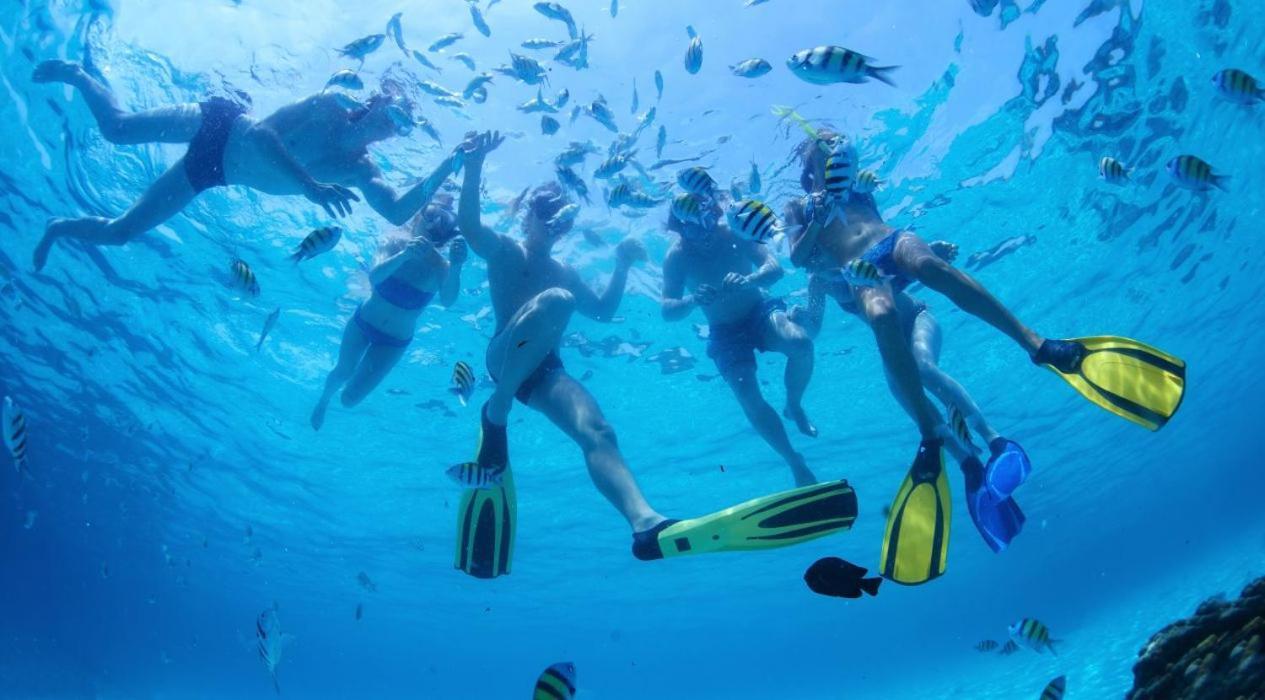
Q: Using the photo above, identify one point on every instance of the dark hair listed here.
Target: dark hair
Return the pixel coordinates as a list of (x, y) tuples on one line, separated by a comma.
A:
[(378, 98), (547, 200)]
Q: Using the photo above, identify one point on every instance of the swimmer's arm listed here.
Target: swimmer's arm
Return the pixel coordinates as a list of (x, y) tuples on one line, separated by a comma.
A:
[(335, 199), (769, 271), (485, 242), (387, 267), (450, 289), (675, 305), (397, 208), (803, 244)]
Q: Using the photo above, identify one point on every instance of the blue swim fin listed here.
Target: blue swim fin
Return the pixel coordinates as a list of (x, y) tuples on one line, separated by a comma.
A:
[(1007, 469), (998, 520)]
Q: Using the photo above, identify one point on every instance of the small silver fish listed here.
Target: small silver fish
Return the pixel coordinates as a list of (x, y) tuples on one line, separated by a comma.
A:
[(564, 219), (1194, 173), (636, 101), (479, 96), (479, 23), (753, 180), (554, 10), (429, 129), (464, 58), (345, 79), (660, 142), (396, 32), (363, 46), (614, 8), (475, 83), (471, 476), (463, 382), (751, 68), (449, 101), (1112, 170), (564, 96), (445, 41), (537, 44), (272, 642), (658, 85), (537, 104), (15, 437), (693, 53), (435, 89), (319, 241), (268, 324), (548, 125), (825, 65), (421, 58)]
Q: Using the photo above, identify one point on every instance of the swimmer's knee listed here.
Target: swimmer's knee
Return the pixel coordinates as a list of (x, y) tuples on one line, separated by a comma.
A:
[(556, 301), (597, 433), (882, 313), (798, 342), (114, 129), (350, 398)]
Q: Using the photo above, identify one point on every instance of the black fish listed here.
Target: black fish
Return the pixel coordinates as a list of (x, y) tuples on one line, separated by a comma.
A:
[(835, 577)]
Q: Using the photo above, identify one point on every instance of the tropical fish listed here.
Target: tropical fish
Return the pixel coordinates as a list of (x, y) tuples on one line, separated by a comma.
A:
[(1238, 86), (575, 154), (693, 209), (834, 64), (753, 220), (751, 68), (345, 79), (429, 129), (564, 96), (548, 125), (573, 182), (645, 120), (445, 41), (319, 241), (363, 46), (660, 142), (1112, 170), (272, 642), (836, 577), (863, 273), (986, 645), (841, 169), (475, 83), (958, 426), (1055, 689), (268, 324), (396, 32), (366, 583), (464, 58), (15, 434), (360, 611), (1195, 174), (553, 10), (537, 104), (564, 219), (693, 53), (867, 182), (696, 180), (658, 85), (612, 166), (471, 476), (636, 101), (463, 382), (556, 683), (614, 7), (601, 113), (243, 278), (753, 180), (479, 22), (480, 95), (625, 195), (525, 69), (421, 58), (449, 101), (1008, 648), (435, 89), (535, 44), (1032, 634)]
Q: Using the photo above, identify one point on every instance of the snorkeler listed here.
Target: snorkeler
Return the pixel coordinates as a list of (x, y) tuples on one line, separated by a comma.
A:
[(296, 150), (998, 520), (534, 297), (844, 231), (404, 282), (728, 276)]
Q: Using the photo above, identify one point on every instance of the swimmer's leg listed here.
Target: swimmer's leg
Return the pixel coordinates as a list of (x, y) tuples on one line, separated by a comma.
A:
[(810, 315), (376, 364), (926, 346), (767, 423), (173, 124), (350, 351), (570, 406), (169, 194), (879, 308), (522, 345), (785, 337), (915, 258)]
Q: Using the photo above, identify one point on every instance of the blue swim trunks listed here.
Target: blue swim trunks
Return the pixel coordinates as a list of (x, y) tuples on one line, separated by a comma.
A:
[(881, 256), (732, 346)]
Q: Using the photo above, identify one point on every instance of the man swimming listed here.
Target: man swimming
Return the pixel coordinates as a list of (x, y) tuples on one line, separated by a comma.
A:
[(728, 276), (404, 282), (534, 297), (316, 147)]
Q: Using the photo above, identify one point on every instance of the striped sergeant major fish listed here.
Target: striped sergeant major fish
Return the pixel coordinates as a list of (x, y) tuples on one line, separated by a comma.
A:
[(472, 476), (959, 428), (556, 683), (1032, 634), (753, 220), (613, 165), (694, 53), (463, 382), (1238, 86), (624, 195), (867, 182), (1008, 648), (693, 209), (986, 645), (1055, 689), (697, 181), (841, 169), (345, 78), (322, 240), (15, 434), (1112, 170), (243, 278), (272, 642), (1196, 174), (825, 65), (863, 273)]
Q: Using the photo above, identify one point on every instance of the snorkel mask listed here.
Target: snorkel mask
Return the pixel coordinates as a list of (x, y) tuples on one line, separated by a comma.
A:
[(440, 224)]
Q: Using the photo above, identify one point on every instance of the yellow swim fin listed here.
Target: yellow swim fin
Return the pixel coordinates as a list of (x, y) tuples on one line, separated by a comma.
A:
[(487, 517), (916, 543), (1131, 379)]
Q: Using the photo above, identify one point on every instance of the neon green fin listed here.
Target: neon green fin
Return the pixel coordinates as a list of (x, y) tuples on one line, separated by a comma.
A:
[(779, 520), (1131, 379), (486, 521), (916, 544)]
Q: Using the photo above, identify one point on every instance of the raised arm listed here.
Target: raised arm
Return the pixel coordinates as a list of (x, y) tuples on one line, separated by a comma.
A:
[(603, 308), (804, 242), (399, 208), (675, 304), (483, 240), (451, 286)]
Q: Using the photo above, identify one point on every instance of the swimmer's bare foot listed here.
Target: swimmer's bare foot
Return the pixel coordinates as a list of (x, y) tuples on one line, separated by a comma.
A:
[(318, 415), (803, 475), (57, 71), (796, 414), (51, 233)]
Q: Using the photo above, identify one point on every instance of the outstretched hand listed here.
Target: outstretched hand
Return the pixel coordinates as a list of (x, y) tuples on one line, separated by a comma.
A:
[(734, 282), (705, 295), (477, 146), (335, 199), (629, 251), (945, 250)]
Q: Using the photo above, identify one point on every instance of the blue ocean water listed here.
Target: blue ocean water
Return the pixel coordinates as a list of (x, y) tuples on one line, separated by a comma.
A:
[(178, 489)]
